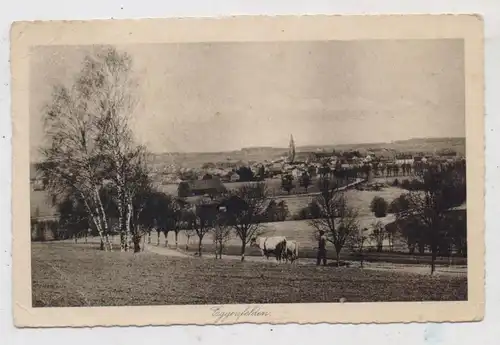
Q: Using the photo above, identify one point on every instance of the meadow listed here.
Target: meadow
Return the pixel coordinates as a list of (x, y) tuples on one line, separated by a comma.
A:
[(299, 231), (72, 275)]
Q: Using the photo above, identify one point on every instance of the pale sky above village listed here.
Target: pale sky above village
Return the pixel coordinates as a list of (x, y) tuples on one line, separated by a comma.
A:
[(225, 96)]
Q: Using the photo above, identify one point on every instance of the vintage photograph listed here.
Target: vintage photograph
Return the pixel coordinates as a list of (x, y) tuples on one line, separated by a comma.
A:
[(248, 172)]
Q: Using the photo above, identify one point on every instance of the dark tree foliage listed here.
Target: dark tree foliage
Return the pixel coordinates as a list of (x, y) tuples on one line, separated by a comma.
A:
[(443, 189), (400, 204), (183, 189), (287, 183), (311, 211), (261, 174), (245, 173), (305, 180), (275, 212), (379, 207)]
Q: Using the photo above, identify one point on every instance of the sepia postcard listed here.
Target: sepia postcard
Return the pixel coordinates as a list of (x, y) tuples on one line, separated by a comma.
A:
[(253, 169)]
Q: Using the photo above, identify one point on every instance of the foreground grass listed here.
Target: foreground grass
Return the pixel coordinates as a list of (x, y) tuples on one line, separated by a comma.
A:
[(66, 275)]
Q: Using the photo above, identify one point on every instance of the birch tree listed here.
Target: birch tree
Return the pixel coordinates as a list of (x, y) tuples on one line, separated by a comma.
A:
[(91, 143), (72, 163), (111, 92)]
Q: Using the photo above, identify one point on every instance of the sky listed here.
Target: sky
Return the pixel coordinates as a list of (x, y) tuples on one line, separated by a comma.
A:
[(199, 97)]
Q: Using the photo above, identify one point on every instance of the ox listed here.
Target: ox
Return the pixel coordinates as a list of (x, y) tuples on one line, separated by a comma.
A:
[(271, 245), (292, 251)]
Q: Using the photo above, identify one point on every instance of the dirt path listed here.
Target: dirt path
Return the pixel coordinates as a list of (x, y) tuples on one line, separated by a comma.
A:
[(161, 250), (418, 269), (350, 185), (455, 270)]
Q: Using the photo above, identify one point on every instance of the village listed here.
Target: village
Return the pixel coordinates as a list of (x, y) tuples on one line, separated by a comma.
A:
[(298, 166)]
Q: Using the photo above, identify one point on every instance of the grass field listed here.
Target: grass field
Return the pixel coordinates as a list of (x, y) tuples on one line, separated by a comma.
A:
[(71, 275), (358, 199), (306, 250), (297, 230)]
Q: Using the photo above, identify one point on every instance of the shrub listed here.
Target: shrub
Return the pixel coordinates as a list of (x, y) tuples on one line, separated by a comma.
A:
[(379, 207)]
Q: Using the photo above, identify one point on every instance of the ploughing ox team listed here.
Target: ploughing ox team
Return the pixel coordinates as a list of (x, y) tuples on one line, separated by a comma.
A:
[(277, 246)]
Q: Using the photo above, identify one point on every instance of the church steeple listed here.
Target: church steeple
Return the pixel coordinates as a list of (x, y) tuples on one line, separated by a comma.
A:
[(291, 150)]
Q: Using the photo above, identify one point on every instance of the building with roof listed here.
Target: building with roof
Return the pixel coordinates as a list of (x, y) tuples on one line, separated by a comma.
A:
[(212, 187)]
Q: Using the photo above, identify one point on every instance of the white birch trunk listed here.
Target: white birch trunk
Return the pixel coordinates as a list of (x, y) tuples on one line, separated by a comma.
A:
[(128, 217), (121, 222), (124, 241), (104, 223), (110, 243), (95, 218), (105, 227)]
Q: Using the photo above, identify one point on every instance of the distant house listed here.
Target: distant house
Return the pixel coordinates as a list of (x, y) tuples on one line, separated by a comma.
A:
[(234, 177), (404, 161), (275, 169), (207, 176), (231, 177), (212, 187), (447, 153), (296, 173)]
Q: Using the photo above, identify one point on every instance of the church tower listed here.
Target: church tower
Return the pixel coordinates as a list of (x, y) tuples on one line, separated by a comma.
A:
[(291, 150)]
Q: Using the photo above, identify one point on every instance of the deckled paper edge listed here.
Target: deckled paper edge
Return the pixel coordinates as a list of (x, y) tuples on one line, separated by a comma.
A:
[(249, 28)]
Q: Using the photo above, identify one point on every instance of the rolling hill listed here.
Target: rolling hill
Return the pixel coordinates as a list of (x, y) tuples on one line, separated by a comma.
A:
[(260, 154)]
